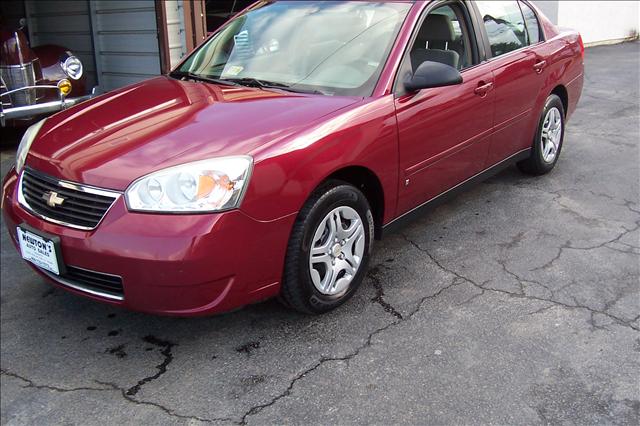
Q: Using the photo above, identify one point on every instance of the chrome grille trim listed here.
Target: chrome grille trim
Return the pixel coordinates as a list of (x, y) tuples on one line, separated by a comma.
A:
[(66, 185), (17, 76), (85, 289)]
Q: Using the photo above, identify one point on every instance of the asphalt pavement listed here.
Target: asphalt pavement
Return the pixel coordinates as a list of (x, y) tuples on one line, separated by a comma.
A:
[(516, 303)]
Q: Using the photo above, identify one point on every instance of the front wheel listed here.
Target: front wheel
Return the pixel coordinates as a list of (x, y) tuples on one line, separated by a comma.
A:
[(328, 250), (547, 143)]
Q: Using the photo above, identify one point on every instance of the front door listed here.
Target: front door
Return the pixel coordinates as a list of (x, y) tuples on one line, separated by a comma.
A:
[(444, 133), (518, 77)]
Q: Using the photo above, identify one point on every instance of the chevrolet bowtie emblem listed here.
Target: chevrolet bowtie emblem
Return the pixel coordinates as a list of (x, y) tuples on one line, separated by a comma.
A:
[(52, 199)]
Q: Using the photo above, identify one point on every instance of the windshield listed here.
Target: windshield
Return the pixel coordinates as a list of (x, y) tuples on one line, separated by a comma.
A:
[(331, 47)]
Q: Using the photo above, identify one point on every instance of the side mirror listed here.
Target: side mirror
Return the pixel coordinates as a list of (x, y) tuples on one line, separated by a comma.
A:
[(432, 74)]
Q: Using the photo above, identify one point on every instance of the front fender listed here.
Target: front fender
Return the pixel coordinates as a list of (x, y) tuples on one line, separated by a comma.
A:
[(286, 173)]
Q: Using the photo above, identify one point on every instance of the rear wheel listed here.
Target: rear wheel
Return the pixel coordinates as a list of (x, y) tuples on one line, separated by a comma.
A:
[(328, 250), (547, 143)]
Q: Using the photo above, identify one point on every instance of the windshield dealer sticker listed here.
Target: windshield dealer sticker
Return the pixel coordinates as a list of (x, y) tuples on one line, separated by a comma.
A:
[(234, 70)]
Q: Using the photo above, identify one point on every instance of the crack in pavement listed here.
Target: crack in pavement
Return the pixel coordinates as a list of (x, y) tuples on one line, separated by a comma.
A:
[(618, 320), (367, 343), (521, 281), (110, 387), (541, 310), (628, 250), (127, 394), (568, 246), (374, 275), (628, 203), (31, 384), (592, 314), (526, 185), (162, 367), (514, 242), (257, 408), (170, 412), (458, 279), (578, 216)]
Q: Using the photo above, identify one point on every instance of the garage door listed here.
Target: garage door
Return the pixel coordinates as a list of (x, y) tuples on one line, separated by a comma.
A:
[(125, 40), (65, 23), (116, 40)]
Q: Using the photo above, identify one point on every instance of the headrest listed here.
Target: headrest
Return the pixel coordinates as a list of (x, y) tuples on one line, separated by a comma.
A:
[(436, 28), (447, 57)]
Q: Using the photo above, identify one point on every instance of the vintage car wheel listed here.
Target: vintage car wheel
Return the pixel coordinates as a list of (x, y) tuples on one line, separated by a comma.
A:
[(328, 250), (547, 143)]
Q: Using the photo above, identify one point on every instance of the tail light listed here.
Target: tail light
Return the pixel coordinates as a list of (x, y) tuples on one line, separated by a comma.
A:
[(581, 46)]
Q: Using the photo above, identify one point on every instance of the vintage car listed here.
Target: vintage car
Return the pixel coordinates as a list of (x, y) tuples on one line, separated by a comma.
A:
[(36, 81), (267, 162)]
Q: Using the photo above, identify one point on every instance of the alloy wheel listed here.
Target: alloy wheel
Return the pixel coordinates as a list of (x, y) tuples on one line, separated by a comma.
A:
[(337, 250), (551, 134)]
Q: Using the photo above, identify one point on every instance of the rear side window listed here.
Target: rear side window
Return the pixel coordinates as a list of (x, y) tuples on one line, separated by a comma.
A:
[(533, 27), (504, 24)]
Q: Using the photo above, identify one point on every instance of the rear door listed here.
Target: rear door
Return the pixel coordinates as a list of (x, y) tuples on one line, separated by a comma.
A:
[(444, 132), (518, 76)]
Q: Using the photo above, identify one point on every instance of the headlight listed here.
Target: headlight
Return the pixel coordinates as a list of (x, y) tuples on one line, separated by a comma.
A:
[(72, 67), (27, 139), (202, 186)]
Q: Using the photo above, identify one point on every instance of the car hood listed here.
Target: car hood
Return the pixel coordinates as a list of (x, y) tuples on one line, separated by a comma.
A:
[(113, 139)]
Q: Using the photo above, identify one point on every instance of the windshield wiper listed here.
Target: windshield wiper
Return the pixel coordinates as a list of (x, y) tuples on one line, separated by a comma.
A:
[(199, 77), (245, 81), (265, 84)]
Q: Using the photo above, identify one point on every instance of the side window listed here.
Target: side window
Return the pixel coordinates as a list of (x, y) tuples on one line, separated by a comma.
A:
[(505, 26), (443, 37), (533, 26)]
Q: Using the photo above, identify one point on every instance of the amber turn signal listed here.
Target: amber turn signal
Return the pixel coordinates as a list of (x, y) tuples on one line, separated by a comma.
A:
[(64, 86)]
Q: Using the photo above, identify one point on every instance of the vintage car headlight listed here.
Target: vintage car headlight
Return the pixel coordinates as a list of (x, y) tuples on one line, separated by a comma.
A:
[(72, 66), (203, 186), (25, 143)]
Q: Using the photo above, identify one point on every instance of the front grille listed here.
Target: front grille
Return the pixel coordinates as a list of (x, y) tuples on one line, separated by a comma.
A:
[(98, 281), (92, 282), (81, 207), (17, 76)]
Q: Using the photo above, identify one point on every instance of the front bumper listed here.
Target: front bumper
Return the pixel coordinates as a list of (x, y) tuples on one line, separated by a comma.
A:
[(31, 111), (182, 265)]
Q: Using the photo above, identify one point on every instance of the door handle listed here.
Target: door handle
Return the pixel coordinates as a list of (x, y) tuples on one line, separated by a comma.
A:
[(483, 89), (539, 66)]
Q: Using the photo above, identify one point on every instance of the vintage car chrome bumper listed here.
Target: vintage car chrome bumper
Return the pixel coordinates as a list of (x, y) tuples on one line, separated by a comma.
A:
[(27, 111)]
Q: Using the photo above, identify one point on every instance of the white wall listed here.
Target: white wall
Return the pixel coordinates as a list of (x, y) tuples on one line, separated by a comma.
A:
[(175, 30), (600, 21), (549, 8)]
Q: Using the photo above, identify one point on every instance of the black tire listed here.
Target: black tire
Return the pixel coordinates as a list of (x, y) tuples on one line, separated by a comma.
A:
[(536, 164), (298, 291)]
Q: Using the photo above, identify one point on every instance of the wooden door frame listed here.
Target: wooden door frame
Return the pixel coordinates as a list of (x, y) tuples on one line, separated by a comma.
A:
[(195, 23), (163, 36)]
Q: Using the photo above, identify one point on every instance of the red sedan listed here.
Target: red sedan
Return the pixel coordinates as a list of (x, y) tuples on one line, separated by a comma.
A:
[(268, 161)]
